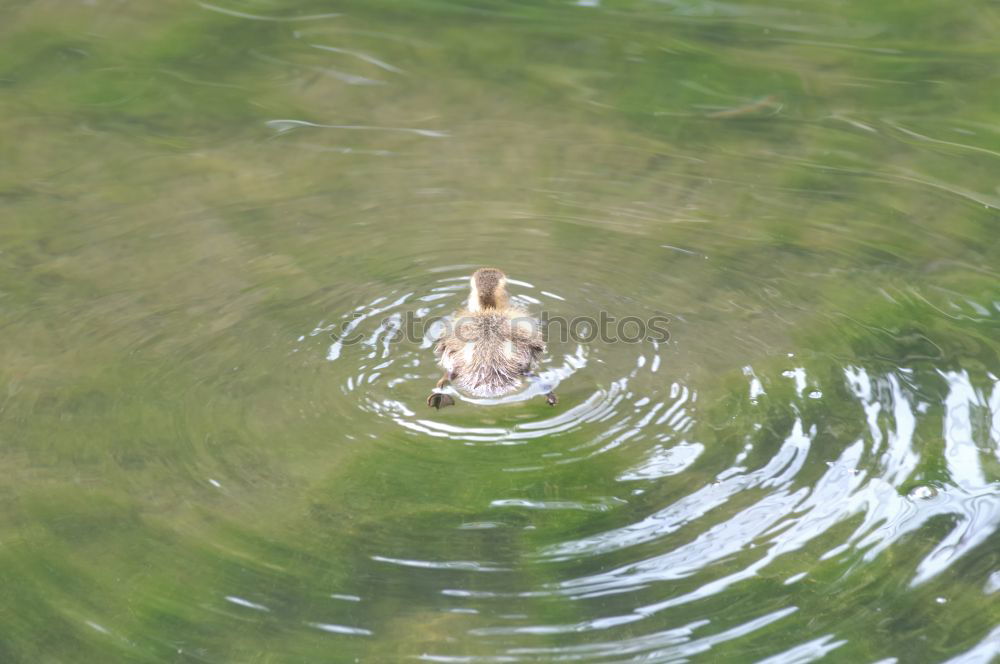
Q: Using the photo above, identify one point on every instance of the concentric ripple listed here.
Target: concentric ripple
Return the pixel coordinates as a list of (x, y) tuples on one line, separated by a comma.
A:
[(683, 491), (391, 373), (783, 508)]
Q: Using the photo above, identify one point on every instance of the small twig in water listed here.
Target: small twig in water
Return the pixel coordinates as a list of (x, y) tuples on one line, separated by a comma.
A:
[(770, 101)]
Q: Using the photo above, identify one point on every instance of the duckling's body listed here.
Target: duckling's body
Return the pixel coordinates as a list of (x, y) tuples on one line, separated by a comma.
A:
[(491, 344)]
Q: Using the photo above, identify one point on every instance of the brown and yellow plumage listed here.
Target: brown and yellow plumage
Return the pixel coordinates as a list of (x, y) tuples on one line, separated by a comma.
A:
[(490, 345)]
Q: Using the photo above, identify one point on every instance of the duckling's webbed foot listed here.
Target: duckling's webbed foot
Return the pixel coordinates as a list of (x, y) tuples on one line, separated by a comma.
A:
[(551, 398), (439, 400)]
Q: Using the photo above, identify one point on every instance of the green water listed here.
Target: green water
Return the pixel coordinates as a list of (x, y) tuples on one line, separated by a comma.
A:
[(198, 200)]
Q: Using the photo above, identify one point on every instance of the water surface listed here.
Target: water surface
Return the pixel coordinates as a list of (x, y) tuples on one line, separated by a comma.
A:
[(200, 201)]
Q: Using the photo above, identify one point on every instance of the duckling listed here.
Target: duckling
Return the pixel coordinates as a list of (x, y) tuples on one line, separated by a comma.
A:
[(490, 345)]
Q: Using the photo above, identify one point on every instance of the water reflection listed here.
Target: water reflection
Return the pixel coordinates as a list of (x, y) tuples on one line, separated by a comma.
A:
[(862, 487)]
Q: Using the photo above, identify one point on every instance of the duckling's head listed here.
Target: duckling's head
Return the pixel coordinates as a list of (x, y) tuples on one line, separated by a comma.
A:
[(489, 289)]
